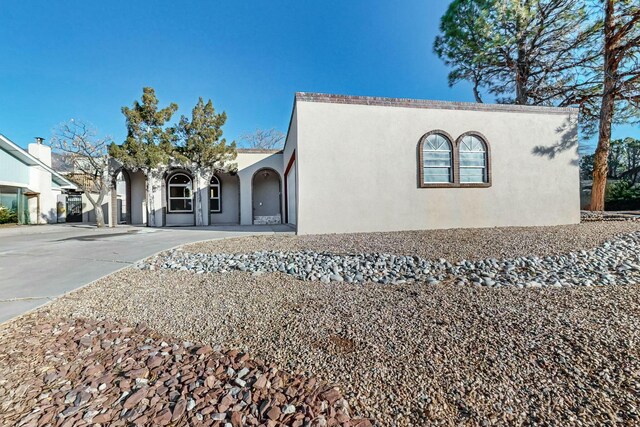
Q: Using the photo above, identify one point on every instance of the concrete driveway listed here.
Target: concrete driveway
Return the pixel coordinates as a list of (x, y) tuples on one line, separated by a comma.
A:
[(40, 263)]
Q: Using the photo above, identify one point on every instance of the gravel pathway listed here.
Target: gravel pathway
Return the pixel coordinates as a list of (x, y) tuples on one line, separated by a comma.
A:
[(409, 354), (76, 373), (453, 244)]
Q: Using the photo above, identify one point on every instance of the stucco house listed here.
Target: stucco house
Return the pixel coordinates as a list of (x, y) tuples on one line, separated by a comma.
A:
[(28, 184), (359, 164), (252, 195)]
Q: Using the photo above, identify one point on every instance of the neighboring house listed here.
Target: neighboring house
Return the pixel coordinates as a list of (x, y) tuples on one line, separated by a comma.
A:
[(358, 164), (28, 184), (72, 168)]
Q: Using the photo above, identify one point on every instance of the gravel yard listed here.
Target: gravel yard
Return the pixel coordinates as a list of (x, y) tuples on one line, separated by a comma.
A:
[(414, 341), (452, 244), (82, 372), (411, 354)]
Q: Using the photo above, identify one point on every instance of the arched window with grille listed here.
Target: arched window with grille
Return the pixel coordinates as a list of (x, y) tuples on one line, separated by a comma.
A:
[(215, 195), (180, 193), (437, 159), (473, 160)]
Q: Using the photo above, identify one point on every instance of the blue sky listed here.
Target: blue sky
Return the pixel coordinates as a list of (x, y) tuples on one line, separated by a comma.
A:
[(86, 59)]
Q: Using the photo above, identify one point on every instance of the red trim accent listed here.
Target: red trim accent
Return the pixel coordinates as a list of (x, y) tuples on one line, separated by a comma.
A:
[(286, 198)]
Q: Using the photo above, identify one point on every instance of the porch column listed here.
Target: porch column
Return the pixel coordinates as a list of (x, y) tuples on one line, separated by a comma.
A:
[(201, 189), (113, 205), (156, 203), (246, 201)]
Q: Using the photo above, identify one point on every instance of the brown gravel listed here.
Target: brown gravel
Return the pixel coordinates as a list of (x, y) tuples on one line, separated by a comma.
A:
[(74, 373), (412, 354), (452, 244)]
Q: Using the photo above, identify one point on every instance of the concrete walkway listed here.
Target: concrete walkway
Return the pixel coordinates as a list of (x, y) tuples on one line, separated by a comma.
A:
[(40, 263)]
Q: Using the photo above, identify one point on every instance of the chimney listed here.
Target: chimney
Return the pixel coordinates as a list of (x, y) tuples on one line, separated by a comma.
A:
[(40, 151)]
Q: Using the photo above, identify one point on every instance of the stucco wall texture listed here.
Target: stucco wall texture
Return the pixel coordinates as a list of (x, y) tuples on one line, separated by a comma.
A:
[(358, 166)]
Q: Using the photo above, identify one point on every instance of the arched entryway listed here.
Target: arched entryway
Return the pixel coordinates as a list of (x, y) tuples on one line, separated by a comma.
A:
[(266, 194), (129, 197), (123, 197)]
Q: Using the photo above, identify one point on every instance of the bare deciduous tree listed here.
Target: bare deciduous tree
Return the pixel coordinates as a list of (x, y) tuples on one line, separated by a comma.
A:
[(88, 153), (266, 139)]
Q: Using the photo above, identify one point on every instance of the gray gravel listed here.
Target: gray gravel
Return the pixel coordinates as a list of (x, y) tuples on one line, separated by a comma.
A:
[(615, 262), (453, 244), (408, 354)]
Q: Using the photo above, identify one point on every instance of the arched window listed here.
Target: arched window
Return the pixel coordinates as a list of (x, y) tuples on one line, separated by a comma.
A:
[(437, 160), (215, 196), (473, 160), (180, 193)]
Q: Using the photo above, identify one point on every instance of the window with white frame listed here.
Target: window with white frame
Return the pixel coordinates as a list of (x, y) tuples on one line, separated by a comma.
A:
[(473, 160), (437, 160), (215, 195), (180, 193)]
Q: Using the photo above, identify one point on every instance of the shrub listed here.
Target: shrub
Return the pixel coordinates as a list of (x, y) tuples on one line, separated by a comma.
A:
[(622, 190), (8, 216)]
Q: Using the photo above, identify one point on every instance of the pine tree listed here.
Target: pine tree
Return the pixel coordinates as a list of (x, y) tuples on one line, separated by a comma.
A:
[(520, 51), (149, 141), (201, 148)]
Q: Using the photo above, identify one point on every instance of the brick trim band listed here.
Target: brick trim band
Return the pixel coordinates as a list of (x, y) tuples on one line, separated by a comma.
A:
[(423, 103)]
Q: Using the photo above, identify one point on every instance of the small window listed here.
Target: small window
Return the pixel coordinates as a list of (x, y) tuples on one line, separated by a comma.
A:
[(437, 160), (180, 193), (215, 195), (473, 160)]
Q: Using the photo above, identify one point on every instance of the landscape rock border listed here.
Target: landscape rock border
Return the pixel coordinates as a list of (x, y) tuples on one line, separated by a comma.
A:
[(614, 262)]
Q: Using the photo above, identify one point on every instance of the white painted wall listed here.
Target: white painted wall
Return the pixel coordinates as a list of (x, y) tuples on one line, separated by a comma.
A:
[(358, 169), (40, 181)]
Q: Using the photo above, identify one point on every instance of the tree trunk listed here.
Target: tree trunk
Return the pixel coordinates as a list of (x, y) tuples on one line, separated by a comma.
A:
[(521, 67), (521, 95), (99, 215), (97, 206), (198, 178), (600, 161), (476, 93)]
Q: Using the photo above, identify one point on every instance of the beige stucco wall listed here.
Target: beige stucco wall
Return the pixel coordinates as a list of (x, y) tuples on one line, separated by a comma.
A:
[(357, 169), (138, 195), (230, 201), (248, 164), (266, 190), (291, 180), (292, 205)]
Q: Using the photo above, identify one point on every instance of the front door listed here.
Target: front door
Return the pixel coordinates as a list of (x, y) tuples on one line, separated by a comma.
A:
[(74, 208)]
